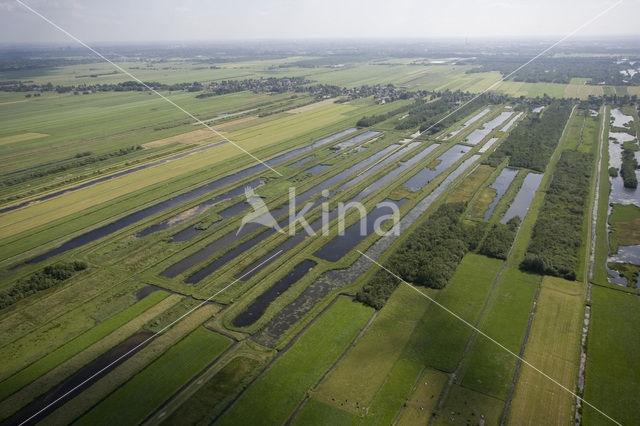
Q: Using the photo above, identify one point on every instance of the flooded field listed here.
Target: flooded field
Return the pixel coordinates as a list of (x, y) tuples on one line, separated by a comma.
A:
[(520, 204), (231, 237), (262, 302), (444, 161), (200, 208), (478, 135), (469, 122), (340, 245), (291, 242), (356, 139), (488, 144), (620, 194), (500, 185), (511, 122), (318, 168)]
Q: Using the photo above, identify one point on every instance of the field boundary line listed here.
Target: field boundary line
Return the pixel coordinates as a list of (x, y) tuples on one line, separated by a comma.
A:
[(119, 68), (491, 339)]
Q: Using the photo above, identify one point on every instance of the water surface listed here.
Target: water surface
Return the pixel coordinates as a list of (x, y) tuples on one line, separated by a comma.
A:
[(501, 184), (521, 203)]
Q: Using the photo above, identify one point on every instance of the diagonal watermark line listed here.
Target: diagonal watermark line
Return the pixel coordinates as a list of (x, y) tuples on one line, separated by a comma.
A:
[(598, 16), (144, 342), (100, 55), (491, 339)]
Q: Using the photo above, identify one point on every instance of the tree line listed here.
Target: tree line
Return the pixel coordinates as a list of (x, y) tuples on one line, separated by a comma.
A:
[(557, 235), (81, 159)]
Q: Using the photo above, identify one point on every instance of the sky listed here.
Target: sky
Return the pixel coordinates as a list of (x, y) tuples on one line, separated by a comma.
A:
[(200, 20)]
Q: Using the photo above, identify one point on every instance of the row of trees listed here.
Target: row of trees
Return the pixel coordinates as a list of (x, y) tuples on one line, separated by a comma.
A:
[(125, 86), (80, 160), (41, 280), (557, 234), (532, 142), (367, 121)]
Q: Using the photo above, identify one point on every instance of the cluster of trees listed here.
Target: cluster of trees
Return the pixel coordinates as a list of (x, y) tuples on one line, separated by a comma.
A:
[(81, 159), (533, 141), (628, 168), (557, 234), (600, 70), (428, 257), (499, 239), (41, 280)]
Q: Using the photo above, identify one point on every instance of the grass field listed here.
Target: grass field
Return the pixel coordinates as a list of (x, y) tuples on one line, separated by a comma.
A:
[(161, 379), (363, 370), (118, 378), (611, 376), (31, 342), (393, 394), (64, 369), (52, 359), (488, 368), (465, 406), (317, 413), (424, 399), (408, 334), (439, 340), (251, 139), (553, 347), (207, 402), (277, 393), (469, 186)]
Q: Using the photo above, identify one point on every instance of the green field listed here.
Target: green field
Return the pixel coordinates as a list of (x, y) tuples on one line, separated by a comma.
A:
[(552, 347), (205, 403), (274, 397), (611, 377), (76, 345), (161, 379)]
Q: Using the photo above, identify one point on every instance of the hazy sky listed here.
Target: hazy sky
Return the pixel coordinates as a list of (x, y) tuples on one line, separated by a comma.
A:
[(163, 20)]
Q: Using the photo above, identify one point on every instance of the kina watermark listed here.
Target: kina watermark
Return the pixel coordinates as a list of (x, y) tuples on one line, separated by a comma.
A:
[(374, 221)]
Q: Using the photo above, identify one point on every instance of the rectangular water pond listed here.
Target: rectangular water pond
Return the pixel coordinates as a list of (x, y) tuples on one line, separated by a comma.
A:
[(426, 175), (520, 205)]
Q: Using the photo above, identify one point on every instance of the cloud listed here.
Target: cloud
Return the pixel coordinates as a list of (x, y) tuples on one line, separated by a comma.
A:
[(7, 7)]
